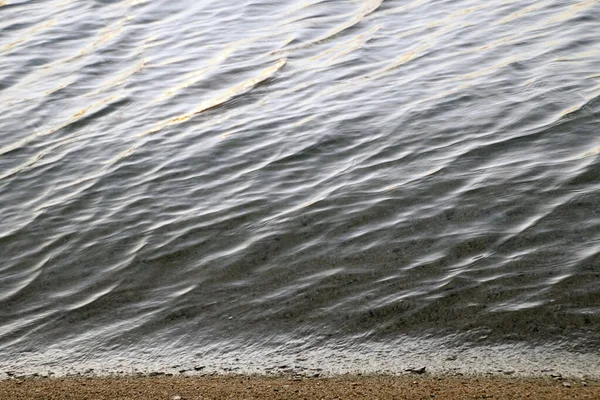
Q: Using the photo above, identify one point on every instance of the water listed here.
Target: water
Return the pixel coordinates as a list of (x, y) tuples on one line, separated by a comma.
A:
[(183, 181)]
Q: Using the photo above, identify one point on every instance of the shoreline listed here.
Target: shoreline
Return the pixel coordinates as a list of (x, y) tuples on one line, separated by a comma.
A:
[(232, 386), (412, 369), (328, 359)]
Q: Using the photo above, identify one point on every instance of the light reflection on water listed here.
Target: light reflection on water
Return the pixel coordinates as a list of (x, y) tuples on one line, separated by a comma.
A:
[(177, 175)]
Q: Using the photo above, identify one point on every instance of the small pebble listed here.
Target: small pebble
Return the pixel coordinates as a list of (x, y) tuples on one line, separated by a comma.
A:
[(566, 384), (176, 398)]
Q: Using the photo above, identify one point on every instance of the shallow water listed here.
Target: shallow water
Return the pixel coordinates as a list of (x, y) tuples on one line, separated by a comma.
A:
[(201, 177)]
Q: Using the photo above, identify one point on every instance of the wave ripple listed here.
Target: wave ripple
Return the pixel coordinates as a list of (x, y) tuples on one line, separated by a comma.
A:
[(189, 175)]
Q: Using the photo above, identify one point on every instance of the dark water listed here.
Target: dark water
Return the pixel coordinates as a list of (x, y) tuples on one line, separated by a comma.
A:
[(181, 180)]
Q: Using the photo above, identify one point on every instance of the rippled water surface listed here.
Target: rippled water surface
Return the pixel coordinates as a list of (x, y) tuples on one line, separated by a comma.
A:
[(188, 177)]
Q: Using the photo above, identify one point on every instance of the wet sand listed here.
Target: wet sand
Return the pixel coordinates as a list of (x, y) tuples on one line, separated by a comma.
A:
[(286, 387)]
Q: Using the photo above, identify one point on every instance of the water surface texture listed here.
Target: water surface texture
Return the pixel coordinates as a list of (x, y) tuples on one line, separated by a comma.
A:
[(220, 177)]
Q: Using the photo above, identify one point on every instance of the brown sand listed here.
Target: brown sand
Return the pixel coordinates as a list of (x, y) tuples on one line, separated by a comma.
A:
[(344, 387)]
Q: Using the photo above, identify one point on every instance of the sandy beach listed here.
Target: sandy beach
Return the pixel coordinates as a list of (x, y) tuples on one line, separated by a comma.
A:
[(288, 387)]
